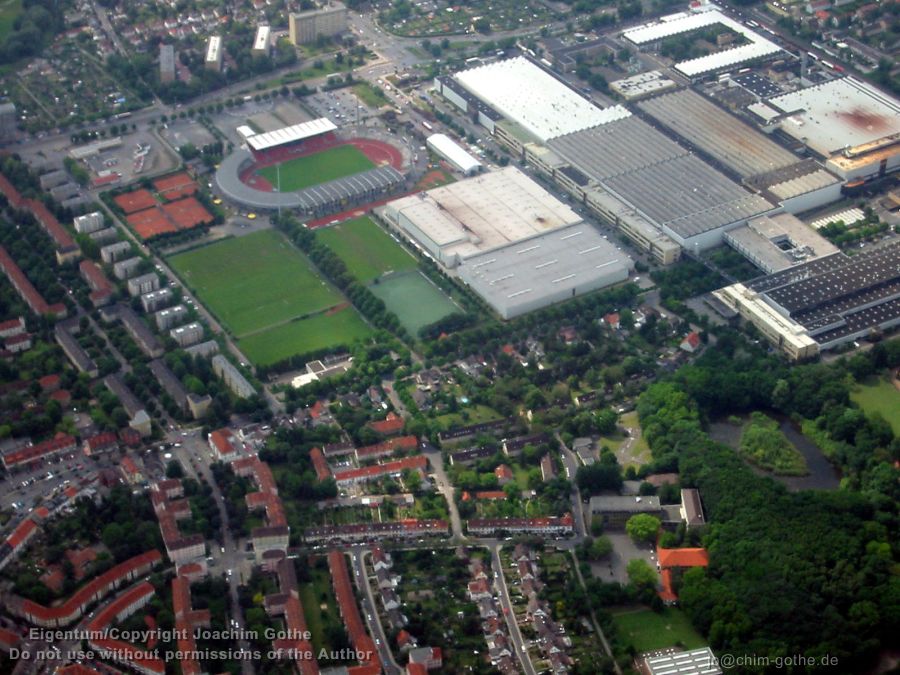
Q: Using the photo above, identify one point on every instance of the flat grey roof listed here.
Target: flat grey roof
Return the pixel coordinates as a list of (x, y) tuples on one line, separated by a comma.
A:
[(569, 257), (658, 177), (620, 504), (725, 137)]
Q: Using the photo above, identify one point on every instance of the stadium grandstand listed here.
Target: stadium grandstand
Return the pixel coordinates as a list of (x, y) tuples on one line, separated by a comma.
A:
[(291, 135)]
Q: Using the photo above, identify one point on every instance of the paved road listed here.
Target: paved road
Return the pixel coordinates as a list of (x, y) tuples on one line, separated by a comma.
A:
[(445, 487), (571, 463), (503, 592), (370, 610)]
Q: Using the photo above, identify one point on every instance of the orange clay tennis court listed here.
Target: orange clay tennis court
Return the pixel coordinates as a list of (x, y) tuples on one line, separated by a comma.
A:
[(187, 213), (175, 187), (132, 202)]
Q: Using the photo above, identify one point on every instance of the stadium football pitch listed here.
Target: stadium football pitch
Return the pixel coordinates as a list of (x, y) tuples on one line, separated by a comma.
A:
[(320, 167)]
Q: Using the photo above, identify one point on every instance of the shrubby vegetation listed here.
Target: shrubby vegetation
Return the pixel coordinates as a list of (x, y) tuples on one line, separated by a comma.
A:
[(763, 444)]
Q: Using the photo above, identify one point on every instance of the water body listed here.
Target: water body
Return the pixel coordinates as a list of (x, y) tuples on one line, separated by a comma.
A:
[(822, 474)]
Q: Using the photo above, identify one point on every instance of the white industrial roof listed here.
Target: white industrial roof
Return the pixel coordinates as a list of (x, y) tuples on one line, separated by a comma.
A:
[(535, 100), (483, 213), (214, 48), (245, 131), (838, 114), (684, 23), (297, 132), (261, 41), (453, 152), (727, 58)]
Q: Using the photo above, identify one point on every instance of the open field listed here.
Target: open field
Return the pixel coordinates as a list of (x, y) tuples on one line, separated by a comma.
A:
[(878, 395), (320, 167), (255, 282), (630, 450), (366, 249), (303, 336), (646, 630), (414, 299)]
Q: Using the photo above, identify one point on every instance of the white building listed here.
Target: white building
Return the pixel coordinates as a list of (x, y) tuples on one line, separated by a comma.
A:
[(214, 53), (451, 151)]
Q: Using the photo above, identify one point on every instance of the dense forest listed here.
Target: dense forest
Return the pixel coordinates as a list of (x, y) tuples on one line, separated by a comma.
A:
[(809, 573)]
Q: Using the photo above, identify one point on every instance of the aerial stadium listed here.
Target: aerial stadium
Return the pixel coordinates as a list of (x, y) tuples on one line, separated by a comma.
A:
[(309, 167)]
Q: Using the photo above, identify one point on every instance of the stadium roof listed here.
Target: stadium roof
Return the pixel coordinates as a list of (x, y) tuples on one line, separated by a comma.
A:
[(534, 99), (676, 24), (297, 132), (545, 268), (313, 199), (453, 152), (839, 114)]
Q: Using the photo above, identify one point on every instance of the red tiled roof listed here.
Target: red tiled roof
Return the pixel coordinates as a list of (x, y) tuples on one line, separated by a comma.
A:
[(48, 221), (42, 512), (503, 471), (49, 382), (61, 396), (25, 288), (94, 276), (693, 339), (667, 594), (128, 466), (388, 447), (13, 324), (22, 533), (54, 445), (8, 638), (343, 591), (392, 424), (683, 557), (221, 440), (122, 650), (417, 462), (102, 440), (94, 589), (490, 494), (323, 471), (10, 192)]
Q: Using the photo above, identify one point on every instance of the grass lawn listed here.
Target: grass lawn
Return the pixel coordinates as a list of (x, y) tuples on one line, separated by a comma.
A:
[(414, 299), (475, 415), (320, 167), (306, 335), (254, 282), (366, 93), (366, 249), (9, 12), (878, 395), (646, 630), (313, 595)]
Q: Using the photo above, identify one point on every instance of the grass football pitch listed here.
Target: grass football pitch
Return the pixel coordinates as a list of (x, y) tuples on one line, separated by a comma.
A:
[(366, 249), (415, 300), (320, 167), (253, 282), (303, 336)]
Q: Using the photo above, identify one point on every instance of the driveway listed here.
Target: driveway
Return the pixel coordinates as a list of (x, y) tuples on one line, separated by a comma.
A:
[(624, 550)]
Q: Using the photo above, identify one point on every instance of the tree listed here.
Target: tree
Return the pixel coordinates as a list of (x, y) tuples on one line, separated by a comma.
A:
[(600, 548), (174, 470), (642, 527), (640, 574)]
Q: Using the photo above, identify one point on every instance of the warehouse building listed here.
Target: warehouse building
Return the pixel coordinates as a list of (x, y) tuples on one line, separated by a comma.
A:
[(796, 184), (775, 243), (545, 269), (632, 175), (642, 85), (755, 47), (849, 123), (534, 106), (459, 159), (460, 220), (824, 303)]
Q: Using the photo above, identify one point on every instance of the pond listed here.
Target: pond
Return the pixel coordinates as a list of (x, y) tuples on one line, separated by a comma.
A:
[(822, 474)]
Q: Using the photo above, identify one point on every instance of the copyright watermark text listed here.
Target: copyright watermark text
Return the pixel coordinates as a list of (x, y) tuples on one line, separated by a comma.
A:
[(741, 661)]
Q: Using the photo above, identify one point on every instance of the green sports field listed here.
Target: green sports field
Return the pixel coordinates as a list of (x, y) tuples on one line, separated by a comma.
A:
[(878, 395), (366, 249), (320, 167), (646, 630), (255, 282), (416, 301), (306, 335)]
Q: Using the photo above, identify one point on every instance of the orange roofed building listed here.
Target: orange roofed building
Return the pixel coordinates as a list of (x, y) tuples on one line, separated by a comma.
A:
[(671, 558)]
